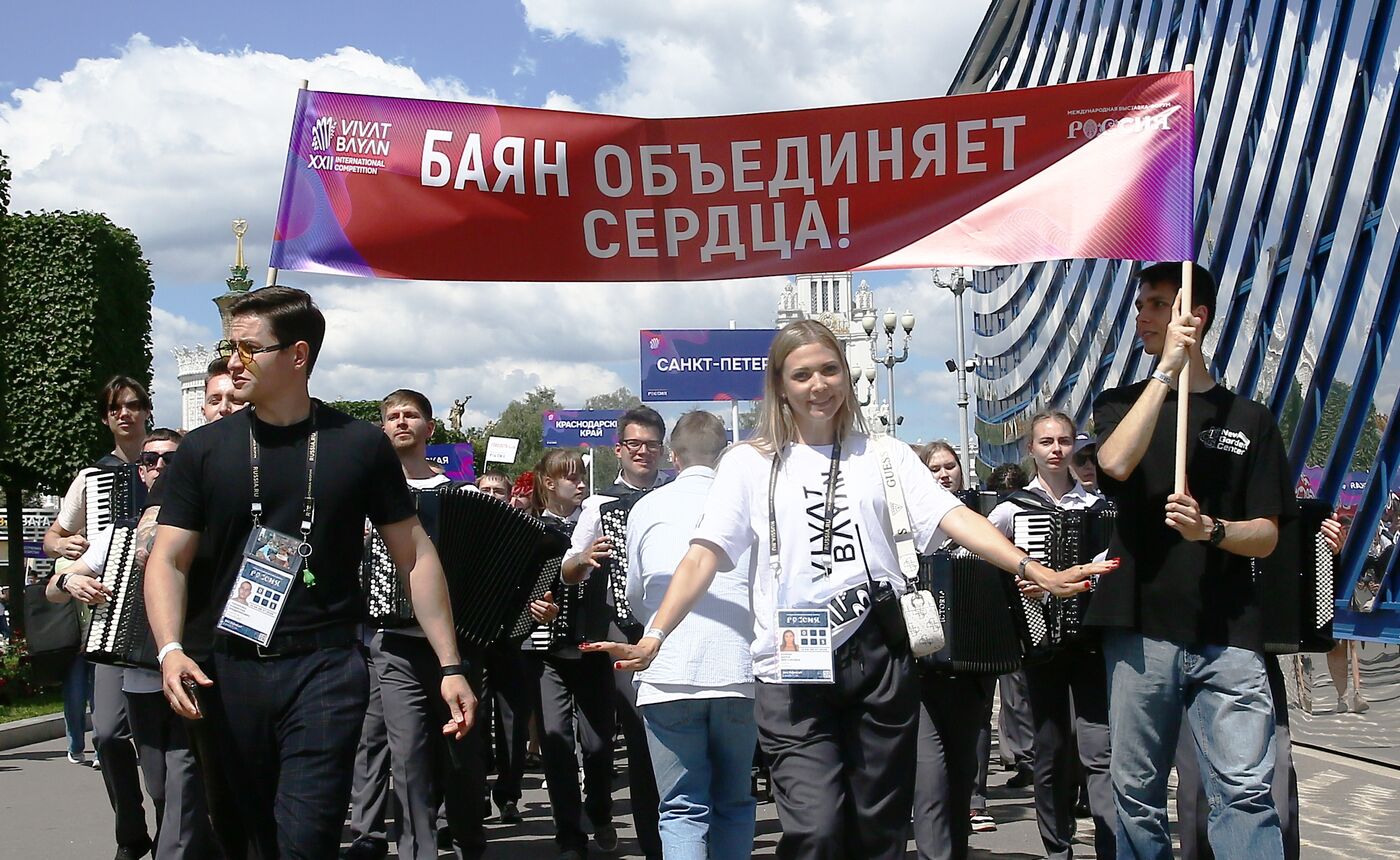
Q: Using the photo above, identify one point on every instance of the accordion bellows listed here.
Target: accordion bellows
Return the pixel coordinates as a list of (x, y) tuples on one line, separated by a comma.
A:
[(494, 558)]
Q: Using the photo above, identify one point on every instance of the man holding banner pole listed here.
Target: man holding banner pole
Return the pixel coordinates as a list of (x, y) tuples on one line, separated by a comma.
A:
[(1182, 616)]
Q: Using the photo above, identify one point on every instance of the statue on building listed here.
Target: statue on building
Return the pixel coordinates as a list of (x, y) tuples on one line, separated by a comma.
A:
[(454, 415)]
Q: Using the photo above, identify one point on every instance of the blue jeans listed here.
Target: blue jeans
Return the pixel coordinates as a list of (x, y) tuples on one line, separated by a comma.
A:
[(1224, 692), (702, 754), (77, 699)]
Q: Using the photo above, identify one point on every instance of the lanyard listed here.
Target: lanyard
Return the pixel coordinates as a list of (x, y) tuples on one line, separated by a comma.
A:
[(828, 515), (308, 505)]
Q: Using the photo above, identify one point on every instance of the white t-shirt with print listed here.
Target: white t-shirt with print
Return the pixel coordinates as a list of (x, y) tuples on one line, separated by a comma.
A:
[(736, 521)]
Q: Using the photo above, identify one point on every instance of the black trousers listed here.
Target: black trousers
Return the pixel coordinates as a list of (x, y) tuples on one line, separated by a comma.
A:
[(581, 686), (952, 716), (517, 698), (113, 745), (840, 753), (287, 729), (429, 768), (1192, 807), (1077, 673)]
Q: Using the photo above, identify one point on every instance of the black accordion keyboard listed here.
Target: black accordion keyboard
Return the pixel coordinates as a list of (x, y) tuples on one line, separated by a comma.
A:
[(111, 494)]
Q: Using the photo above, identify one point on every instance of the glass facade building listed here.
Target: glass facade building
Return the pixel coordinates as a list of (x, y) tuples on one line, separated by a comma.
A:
[(1296, 215)]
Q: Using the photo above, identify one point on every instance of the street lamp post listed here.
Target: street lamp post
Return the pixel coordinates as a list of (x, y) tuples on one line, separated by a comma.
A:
[(869, 376), (957, 285), (889, 358)]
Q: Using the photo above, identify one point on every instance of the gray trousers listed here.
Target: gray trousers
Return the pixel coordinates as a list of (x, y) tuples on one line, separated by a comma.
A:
[(1015, 731), (576, 686), (111, 738), (1079, 673), (172, 778), (369, 796), (429, 768), (839, 754), (953, 712), (1192, 807)]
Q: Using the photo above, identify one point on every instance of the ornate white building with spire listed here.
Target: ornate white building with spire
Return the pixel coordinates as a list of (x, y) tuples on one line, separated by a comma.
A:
[(827, 297)]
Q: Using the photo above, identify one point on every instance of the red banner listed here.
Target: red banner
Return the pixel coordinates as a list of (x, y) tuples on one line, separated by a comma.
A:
[(401, 188)]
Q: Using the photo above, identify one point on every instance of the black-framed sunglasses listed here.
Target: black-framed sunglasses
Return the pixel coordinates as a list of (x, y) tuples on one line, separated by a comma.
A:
[(635, 445), (151, 458), (245, 350)]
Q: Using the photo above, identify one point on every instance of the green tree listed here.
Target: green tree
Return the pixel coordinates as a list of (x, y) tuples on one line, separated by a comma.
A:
[(75, 309), (1333, 410), (365, 410)]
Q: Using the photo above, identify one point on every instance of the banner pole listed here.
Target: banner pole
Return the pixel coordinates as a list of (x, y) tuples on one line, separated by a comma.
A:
[(1183, 385), (271, 271)]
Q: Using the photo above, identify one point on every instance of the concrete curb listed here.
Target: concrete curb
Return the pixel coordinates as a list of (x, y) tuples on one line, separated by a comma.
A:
[(22, 733)]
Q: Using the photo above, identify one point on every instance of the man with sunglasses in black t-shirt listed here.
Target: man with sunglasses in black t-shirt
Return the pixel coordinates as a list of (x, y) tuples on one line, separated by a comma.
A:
[(287, 693)]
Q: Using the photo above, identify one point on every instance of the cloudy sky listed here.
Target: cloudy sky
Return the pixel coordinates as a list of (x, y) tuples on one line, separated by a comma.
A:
[(173, 117)]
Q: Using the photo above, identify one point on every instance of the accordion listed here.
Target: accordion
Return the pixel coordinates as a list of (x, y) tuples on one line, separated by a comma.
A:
[(112, 493), (983, 618), (387, 601), (1060, 539), (1297, 585), (117, 632), (613, 516), (494, 558)]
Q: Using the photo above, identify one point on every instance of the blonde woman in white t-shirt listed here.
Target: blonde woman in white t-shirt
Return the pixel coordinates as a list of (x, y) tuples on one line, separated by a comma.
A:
[(842, 752)]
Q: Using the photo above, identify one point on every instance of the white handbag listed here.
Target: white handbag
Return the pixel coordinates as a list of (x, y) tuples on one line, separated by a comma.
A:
[(920, 609)]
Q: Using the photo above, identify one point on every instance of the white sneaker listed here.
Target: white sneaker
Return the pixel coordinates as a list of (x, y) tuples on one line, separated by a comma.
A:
[(96, 765), (77, 758)]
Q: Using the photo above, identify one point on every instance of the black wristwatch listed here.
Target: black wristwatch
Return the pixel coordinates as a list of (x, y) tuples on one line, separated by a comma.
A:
[(1217, 532), (63, 581), (456, 669)]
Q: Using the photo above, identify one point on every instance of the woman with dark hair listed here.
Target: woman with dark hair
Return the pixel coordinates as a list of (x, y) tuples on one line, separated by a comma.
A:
[(805, 498)]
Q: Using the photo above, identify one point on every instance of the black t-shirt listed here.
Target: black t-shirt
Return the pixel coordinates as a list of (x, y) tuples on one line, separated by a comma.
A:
[(208, 488), (1168, 587)]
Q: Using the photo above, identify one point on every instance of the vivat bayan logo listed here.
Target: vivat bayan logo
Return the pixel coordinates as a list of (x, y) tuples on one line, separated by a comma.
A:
[(321, 133)]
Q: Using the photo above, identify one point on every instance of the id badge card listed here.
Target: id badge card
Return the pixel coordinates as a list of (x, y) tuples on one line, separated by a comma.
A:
[(275, 549), (256, 602), (804, 646)]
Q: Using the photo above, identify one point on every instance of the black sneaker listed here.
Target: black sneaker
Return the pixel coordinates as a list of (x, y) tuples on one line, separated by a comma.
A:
[(1023, 778), (134, 852), (510, 813), (606, 838), (367, 848)]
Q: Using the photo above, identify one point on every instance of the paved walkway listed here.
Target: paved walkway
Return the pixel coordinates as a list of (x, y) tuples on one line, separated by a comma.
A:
[(54, 810)]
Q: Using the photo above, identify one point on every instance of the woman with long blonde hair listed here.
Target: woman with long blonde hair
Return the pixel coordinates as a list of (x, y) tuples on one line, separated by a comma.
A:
[(805, 499)]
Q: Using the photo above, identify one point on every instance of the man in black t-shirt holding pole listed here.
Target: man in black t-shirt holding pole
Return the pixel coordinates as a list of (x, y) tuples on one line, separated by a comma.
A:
[(287, 693), (1182, 615)]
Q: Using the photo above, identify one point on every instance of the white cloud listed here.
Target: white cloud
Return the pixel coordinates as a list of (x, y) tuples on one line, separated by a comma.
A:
[(745, 55)]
